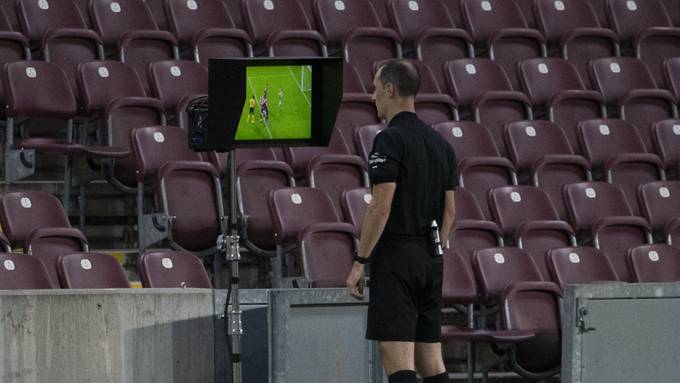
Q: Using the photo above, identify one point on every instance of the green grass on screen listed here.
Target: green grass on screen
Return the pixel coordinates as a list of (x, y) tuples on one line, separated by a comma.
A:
[(293, 119)]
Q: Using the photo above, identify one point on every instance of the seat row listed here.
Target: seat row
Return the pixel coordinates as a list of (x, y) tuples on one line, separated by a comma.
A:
[(93, 270)]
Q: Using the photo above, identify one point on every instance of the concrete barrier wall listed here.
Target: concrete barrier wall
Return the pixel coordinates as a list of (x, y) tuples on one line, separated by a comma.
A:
[(107, 336)]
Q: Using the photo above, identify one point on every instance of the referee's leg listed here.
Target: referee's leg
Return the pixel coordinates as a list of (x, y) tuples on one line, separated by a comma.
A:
[(430, 363), (398, 361)]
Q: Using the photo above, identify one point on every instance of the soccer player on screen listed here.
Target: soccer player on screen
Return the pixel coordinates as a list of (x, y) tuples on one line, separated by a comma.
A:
[(251, 109), (264, 109), (280, 103)]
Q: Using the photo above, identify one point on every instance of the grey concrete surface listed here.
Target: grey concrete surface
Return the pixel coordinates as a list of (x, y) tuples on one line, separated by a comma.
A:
[(107, 336)]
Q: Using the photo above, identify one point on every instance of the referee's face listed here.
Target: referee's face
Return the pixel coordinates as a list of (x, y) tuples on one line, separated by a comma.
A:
[(379, 95)]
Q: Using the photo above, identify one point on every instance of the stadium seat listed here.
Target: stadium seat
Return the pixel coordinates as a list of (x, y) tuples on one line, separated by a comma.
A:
[(354, 205), (20, 272), (497, 268), (10, 18), (13, 47), (627, 84), (644, 28), (173, 80), (498, 28), (432, 108), (168, 269), (666, 137), (55, 100), (654, 263), (355, 110), (468, 139), (482, 91), (335, 173), (326, 251), (672, 76), (528, 142), (600, 8), (5, 247), (23, 212), (352, 28), (551, 173), (616, 152), (281, 28), (660, 205), (534, 307), (292, 210), (153, 147), (574, 265), (299, 157), (36, 20), (479, 175), (47, 244), (556, 91), (601, 215), (159, 12), (91, 271), (206, 29), (527, 217), (351, 80), (113, 93), (364, 137), (129, 26), (673, 10), (573, 29), (255, 179), (429, 33)]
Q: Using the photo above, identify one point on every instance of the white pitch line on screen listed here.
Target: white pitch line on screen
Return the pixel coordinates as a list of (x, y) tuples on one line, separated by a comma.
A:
[(299, 86), (263, 120)]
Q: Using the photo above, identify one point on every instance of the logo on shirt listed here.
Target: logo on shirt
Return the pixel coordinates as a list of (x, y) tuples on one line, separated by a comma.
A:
[(376, 159)]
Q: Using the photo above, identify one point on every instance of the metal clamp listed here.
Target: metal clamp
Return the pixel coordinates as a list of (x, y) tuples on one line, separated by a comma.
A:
[(230, 245)]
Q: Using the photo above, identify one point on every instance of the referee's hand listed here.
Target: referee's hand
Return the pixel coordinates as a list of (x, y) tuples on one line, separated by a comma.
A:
[(355, 281)]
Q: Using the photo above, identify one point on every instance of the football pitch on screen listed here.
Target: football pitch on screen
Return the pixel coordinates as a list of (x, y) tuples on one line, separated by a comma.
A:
[(288, 108)]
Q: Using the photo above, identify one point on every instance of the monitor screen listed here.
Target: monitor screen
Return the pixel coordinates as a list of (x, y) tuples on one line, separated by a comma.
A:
[(265, 102), (278, 103)]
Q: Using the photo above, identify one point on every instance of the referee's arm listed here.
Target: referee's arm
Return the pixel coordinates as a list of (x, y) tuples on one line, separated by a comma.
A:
[(374, 223), (449, 216)]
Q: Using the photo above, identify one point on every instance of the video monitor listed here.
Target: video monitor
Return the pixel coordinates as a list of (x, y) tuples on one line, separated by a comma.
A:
[(261, 102)]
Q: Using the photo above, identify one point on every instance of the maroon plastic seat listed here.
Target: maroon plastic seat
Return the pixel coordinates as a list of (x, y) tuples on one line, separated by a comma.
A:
[(382, 10), (468, 235), (573, 265), (628, 84), (645, 28), (354, 205), (23, 212), (168, 269), (292, 210), (10, 20), (36, 19), (113, 92), (499, 27), (615, 150), (531, 142), (671, 69), (356, 109), (130, 27), (601, 215), (433, 107), (13, 47), (525, 214), (299, 157), (281, 28), (207, 28), (326, 253), (468, 139), (534, 307), (334, 173), (660, 205), (654, 263), (190, 193), (428, 32), (666, 137), (351, 80), (551, 173), (556, 90), (352, 28), (573, 29), (479, 175), (91, 271), (47, 244), (600, 8), (21, 272), (173, 80), (497, 268), (364, 137), (482, 91), (255, 179), (673, 10)]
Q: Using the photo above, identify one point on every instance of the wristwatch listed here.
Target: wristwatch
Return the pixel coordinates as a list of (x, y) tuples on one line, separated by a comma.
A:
[(361, 260)]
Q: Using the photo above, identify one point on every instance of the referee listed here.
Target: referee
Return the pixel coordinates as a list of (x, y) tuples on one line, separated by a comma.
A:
[(413, 173)]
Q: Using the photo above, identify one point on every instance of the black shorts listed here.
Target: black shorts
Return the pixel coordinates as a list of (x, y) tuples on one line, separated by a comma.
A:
[(405, 293)]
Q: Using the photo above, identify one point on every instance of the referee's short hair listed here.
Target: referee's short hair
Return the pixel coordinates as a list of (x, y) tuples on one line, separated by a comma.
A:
[(403, 74)]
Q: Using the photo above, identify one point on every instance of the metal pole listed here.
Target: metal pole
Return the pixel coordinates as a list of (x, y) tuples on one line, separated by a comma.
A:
[(233, 256)]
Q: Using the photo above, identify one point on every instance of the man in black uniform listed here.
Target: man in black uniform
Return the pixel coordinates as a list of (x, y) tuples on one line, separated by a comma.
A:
[(413, 173)]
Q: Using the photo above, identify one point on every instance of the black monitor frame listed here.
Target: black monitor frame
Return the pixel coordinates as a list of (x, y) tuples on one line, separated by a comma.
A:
[(226, 97)]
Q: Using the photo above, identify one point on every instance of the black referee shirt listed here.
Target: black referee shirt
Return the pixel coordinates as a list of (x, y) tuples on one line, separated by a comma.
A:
[(422, 164)]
